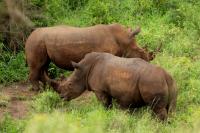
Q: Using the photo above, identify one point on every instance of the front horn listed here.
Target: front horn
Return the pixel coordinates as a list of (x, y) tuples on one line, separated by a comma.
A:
[(135, 32), (75, 65)]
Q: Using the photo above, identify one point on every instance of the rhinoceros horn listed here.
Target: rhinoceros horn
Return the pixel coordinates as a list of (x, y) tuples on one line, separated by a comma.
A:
[(158, 49), (55, 84)]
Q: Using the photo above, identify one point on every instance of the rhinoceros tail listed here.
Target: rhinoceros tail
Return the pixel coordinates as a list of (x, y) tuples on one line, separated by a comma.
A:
[(172, 103), (172, 94)]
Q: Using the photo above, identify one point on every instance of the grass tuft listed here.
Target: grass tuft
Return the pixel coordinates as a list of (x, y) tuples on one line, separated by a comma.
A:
[(46, 101)]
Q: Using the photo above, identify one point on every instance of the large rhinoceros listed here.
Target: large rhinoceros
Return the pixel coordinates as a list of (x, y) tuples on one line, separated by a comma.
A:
[(61, 44), (133, 82)]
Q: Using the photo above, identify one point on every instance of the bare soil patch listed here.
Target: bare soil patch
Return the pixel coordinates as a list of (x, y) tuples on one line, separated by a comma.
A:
[(14, 100)]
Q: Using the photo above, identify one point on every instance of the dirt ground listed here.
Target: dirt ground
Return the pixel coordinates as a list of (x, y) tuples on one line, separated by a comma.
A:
[(14, 100)]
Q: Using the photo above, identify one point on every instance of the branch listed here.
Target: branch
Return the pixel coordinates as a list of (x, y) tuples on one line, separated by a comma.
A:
[(16, 15)]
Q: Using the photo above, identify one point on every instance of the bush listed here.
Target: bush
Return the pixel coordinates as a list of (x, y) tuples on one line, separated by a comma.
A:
[(75, 4), (12, 68), (55, 72), (102, 12)]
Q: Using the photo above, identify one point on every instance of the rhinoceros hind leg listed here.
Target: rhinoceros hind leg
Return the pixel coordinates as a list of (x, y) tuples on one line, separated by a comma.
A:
[(160, 109), (161, 113), (158, 103)]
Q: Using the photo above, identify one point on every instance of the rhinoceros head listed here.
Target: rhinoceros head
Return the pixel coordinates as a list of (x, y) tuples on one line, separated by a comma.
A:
[(133, 50), (76, 83), (71, 87), (74, 86)]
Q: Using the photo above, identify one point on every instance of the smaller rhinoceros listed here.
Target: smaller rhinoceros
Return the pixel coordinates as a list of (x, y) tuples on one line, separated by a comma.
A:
[(133, 82)]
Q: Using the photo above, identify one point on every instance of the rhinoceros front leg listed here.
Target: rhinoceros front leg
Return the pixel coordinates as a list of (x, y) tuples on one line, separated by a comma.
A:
[(104, 98)]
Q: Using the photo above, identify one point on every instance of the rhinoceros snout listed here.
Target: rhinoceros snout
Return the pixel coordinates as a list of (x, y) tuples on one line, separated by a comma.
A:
[(62, 96)]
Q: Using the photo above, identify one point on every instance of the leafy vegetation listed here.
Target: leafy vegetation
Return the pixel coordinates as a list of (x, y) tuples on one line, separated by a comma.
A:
[(174, 23), (12, 67)]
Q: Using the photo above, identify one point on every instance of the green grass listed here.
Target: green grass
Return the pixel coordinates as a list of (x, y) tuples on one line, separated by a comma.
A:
[(174, 23), (91, 116), (102, 121), (10, 125), (46, 102)]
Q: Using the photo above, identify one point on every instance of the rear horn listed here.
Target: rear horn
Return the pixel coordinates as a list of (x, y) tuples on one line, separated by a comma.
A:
[(75, 65), (135, 32), (158, 49), (145, 47)]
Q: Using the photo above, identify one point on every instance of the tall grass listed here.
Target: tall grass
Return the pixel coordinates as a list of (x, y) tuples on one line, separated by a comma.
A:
[(46, 102), (9, 125), (91, 116), (12, 67)]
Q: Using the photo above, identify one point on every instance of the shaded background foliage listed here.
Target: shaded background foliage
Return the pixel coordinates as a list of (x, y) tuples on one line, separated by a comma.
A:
[(51, 12), (176, 15)]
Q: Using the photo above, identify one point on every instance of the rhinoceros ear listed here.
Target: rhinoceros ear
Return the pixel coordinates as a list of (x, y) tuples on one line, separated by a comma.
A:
[(75, 65), (135, 32)]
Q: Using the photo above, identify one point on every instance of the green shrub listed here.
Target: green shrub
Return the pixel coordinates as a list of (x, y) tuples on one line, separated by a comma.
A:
[(175, 17), (102, 12), (75, 4), (12, 68), (55, 72)]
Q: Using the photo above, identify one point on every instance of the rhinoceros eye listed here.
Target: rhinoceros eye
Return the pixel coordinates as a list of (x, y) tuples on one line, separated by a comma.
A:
[(69, 83)]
